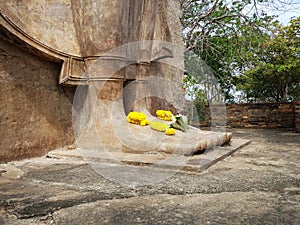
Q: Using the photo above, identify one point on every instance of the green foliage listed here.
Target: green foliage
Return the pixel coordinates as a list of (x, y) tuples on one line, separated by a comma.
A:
[(251, 53), (225, 39), (275, 76), (193, 84)]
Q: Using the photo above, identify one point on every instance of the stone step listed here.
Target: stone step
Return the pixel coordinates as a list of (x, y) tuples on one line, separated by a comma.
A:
[(194, 163)]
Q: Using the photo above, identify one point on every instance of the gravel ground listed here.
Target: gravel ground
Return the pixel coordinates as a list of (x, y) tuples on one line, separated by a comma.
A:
[(259, 184)]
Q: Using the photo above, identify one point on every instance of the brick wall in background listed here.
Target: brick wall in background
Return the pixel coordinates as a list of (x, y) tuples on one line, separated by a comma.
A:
[(258, 115), (297, 116)]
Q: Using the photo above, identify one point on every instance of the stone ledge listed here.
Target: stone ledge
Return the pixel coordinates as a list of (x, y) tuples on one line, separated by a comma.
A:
[(195, 163)]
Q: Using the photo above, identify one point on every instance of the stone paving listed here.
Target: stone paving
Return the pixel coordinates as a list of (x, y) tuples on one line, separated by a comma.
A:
[(258, 184)]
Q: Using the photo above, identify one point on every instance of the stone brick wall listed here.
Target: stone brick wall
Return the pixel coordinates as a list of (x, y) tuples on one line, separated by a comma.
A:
[(259, 115), (297, 116), (35, 113)]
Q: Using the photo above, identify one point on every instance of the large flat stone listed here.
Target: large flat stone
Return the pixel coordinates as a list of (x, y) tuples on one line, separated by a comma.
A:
[(258, 185), (195, 163)]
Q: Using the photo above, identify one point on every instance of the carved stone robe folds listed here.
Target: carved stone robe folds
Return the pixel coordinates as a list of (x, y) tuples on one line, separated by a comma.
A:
[(100, 39), (122, 55), (79, 31)]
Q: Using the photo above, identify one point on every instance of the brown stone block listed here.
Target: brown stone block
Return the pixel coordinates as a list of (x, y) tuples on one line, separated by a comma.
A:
[(272, 126), (262, 123), (257, 111), (287, 110)]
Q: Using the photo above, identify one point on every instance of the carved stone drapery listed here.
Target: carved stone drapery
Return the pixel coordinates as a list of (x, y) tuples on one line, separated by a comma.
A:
[(81, 32)]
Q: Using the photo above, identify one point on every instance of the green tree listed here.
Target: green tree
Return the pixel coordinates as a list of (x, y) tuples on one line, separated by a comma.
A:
[(196, 95), (275, 74), (223, 37), (226, 37)]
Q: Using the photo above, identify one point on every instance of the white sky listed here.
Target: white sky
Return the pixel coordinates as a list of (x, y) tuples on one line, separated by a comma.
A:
[(284, 11), (285, 18)]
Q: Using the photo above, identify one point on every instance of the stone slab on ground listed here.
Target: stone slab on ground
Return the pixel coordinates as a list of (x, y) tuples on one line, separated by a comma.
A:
[(170, 209), (258, 184), (195, 163)]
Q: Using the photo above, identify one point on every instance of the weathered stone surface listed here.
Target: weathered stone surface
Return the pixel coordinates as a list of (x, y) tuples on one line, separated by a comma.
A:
[(236, 208), (256, 115), (193, 163), (34, 110), (259, 184), (47, 22), (97, 56), (81, 32)]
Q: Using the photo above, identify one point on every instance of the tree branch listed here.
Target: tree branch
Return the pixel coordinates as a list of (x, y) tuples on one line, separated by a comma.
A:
[(200, 18)]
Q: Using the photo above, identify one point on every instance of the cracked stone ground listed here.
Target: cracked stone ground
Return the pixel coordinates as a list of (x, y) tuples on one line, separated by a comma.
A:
[(259, 184)]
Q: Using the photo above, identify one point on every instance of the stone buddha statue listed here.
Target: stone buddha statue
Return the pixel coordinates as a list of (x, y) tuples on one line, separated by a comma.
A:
[(122, 54)]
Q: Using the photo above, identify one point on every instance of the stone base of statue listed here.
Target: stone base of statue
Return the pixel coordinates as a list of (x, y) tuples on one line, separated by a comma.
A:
[(101, 124), (123, 56)]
